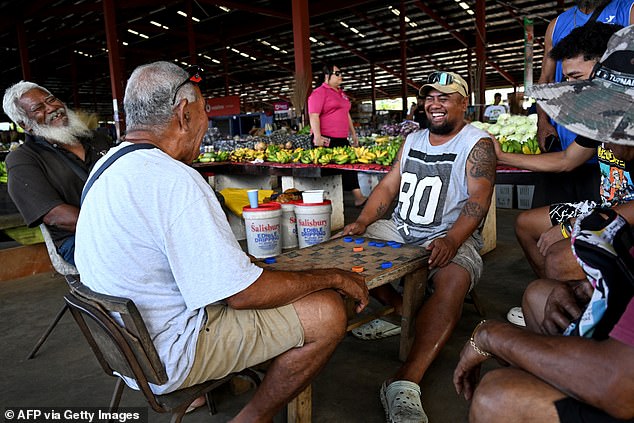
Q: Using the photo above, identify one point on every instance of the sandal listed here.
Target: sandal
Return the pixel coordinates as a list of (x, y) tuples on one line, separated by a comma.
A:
[(376, 329), (197, 403), (401, 402), (516, 316)]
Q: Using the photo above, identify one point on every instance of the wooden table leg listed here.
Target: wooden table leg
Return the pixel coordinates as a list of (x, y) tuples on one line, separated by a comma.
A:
[(299, 410), (413, 293)]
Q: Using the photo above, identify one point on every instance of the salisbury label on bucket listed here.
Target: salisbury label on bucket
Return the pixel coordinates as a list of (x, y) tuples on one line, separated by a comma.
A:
[(263, 229), (313, 222)]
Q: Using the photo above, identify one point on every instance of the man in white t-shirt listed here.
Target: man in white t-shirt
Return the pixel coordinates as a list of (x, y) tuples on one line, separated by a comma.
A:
[(152, 230), (494, 110)]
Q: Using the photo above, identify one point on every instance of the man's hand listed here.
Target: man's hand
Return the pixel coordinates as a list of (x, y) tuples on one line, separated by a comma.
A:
[(467, 373), (442, 251), (353, 286), (548, 238), (544, 129), (565, 304), (355, 228)]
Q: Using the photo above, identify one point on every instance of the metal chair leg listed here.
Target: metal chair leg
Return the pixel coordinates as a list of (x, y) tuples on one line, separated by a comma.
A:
[(47, 332), (116, 395)]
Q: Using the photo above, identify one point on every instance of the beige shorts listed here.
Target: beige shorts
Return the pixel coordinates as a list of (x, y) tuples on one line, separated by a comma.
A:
[(232, 340), (466, 257)]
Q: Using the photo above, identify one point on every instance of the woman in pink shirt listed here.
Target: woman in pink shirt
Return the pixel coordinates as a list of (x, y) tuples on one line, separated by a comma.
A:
[(330, 122)]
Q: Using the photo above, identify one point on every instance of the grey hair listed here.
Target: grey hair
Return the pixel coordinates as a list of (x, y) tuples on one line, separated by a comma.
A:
[(11, 97), (149, 94)]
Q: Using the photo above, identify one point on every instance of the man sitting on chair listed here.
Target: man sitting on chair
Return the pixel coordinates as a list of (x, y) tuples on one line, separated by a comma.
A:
[(151, 229), (48, 171)]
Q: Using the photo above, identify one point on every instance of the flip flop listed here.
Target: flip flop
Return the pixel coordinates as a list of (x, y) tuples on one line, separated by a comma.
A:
[(516, 316), (401, 402), (197, 403), (376, 329)]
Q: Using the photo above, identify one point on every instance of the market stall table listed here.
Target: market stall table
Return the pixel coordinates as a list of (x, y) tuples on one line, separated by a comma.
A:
[(405, 261)]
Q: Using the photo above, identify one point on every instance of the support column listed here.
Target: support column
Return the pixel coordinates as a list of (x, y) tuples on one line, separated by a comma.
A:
[(301, 45), (373, 83), (403, 44), (480, 78), (23, 49), (116, 84), (191, 37)]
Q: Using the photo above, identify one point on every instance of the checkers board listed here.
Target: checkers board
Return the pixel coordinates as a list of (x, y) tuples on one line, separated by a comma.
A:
[(339, 254)]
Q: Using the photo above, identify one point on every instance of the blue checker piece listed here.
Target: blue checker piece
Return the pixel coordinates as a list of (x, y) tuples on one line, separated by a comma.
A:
[(386, 265), (269, 260), (379, 244), (359, 240), (396, 245), (371, 243), (347, 239)]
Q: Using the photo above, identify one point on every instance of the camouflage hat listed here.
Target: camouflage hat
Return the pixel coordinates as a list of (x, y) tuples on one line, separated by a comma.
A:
[(445, 82), (601, 108)]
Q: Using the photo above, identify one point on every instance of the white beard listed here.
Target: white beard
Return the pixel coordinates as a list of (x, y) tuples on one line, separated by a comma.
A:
[(68, 135)]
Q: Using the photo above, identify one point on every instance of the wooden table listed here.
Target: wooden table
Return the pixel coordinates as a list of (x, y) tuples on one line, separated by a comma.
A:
[(407, 262)]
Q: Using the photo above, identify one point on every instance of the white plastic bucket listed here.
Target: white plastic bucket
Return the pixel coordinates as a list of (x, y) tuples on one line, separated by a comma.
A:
[(289, 226), (263, 229), (313, 222)]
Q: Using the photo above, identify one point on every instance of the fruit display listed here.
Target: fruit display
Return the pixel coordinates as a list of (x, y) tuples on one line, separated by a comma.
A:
[(515, 133), (381, 151)]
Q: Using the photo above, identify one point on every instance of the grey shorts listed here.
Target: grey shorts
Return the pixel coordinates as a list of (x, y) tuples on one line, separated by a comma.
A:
[(466, 257), (232, 340)]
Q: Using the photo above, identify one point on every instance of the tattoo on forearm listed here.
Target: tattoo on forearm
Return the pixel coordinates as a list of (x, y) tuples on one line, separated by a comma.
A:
[(483, 160), (380, 211), (473, 210)]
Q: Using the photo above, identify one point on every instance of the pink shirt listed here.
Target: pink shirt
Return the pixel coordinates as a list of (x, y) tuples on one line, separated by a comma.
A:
[(624, 330), (333, 107)]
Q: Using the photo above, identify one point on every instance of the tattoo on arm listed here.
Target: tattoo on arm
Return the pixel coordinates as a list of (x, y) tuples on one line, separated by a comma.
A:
[(380, 211), (473, 210), (483, 160)]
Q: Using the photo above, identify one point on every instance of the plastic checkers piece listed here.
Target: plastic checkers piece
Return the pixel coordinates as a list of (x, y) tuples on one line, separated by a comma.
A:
[(379, 244), (357, 249), (390, 243), (359, 240), (347, 239), (396, 245), (386, 265), (269, 260), (357, 269), (371, 243)]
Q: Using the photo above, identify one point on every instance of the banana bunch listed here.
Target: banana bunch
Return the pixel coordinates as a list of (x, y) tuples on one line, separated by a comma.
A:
[(364, 155), (513, 146), (311, 156), (246, 155), (280, 156), (325, 158)]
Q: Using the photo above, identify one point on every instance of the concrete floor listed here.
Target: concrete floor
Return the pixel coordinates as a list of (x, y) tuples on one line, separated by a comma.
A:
[(66, 374)]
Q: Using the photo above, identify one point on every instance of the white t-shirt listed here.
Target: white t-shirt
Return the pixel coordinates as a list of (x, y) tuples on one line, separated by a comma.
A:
[(494, 110), (152, 230)]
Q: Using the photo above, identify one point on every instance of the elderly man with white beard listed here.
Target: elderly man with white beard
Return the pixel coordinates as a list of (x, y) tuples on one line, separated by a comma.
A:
[(48, 171)]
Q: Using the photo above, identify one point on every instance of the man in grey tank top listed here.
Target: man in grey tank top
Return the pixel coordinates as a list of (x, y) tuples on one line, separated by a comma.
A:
[(444, 178)]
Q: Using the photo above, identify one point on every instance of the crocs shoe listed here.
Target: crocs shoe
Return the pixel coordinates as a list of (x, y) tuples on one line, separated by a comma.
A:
[(376, 329), (516, 316), (401, 402)]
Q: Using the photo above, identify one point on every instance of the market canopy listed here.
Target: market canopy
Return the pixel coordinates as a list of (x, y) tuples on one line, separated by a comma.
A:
[(247, 46)]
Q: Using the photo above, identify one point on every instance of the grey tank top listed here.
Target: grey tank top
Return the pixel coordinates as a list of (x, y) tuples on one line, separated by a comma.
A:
[(433, 184)]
